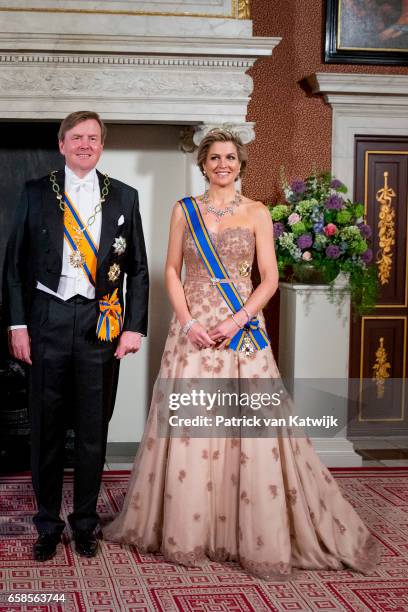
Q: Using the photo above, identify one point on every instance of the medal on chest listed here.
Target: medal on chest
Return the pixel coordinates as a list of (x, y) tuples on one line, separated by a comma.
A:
[(76, 259), (83, 249)]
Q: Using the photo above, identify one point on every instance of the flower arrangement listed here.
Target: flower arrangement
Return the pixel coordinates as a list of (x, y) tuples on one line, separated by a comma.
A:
[(318, 230)]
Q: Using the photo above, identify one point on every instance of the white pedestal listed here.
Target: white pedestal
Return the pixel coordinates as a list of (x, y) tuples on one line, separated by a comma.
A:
[(314, 344)]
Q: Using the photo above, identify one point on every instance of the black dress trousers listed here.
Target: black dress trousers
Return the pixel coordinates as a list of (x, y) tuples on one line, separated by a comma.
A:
[(72, 375)]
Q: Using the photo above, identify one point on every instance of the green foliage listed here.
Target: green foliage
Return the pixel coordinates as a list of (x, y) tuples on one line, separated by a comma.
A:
[(316, 211)]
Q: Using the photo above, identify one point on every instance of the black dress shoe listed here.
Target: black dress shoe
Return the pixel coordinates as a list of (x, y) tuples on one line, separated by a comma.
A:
[(86, 543), (45, 546)]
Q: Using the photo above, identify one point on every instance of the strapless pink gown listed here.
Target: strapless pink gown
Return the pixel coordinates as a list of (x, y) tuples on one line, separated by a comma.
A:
[(269, 504)]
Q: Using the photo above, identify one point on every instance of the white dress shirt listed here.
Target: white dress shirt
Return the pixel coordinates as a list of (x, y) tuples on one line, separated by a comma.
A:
[(84, 194)]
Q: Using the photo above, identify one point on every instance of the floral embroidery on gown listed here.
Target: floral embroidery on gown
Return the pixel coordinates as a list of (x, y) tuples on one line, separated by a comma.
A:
[(268, 503)]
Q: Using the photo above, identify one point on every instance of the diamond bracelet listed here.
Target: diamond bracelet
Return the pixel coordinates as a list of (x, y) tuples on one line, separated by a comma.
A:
[(188, 326)]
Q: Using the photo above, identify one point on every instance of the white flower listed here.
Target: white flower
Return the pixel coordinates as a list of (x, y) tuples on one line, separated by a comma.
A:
[(119, 246)]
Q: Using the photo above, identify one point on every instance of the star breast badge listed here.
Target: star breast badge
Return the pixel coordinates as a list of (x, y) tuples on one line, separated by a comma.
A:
[(119, 246), (114, 273), (76, 259)]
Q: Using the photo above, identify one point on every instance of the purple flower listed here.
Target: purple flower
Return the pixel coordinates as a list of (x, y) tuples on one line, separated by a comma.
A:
[(365, 230), (304, 241), (333, 251), (318, 227), (298, 186), (278, 229), (334, 202), (336, 184), (367, 256)]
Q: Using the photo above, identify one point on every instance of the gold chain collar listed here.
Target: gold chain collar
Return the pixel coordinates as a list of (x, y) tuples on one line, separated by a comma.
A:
[(98, 206)]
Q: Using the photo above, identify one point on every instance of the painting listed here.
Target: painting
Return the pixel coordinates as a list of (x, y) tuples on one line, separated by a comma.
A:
[(367, 31)]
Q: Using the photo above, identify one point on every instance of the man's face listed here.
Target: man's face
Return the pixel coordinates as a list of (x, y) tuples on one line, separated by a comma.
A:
[(82, 147)]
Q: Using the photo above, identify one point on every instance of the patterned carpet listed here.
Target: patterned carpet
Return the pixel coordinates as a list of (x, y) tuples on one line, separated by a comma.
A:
[(119, 579)]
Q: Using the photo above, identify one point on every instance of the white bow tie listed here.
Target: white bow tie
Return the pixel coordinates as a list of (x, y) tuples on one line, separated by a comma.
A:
[(86, 184)]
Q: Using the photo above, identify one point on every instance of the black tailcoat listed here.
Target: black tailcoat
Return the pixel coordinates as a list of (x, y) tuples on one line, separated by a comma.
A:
[(70, 369), (34, 251)]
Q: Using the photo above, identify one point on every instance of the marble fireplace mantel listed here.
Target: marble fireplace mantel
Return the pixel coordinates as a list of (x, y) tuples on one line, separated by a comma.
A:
[(133, 68)]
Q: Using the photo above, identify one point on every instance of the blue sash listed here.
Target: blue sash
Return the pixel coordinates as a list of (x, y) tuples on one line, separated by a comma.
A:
[(251, 337), (88, 249)]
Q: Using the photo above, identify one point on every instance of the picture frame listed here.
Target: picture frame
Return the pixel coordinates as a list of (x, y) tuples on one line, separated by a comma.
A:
[(366, 32)]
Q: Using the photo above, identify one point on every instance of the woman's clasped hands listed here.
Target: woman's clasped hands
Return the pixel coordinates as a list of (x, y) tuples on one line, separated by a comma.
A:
[(226, 330), (198, 336), (223, 332), (218, 336)]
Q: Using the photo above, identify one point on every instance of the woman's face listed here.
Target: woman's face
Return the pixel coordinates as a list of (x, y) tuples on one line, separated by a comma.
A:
[(222, 165)]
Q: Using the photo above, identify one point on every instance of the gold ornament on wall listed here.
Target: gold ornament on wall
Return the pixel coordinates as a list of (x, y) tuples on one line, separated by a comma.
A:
[(386, 231), (380, 368), (244, 9)]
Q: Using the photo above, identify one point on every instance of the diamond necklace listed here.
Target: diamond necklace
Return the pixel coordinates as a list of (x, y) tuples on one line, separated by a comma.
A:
[(220, 212)]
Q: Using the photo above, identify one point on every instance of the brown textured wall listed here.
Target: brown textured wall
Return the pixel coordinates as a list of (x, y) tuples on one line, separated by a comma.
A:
[(293, 129)]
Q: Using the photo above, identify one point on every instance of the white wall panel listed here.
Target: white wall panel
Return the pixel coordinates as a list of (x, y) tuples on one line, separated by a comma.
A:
[(148, 158)]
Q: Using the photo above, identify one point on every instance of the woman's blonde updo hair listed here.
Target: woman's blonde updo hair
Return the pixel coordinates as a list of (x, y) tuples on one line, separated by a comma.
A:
[(222, 135)]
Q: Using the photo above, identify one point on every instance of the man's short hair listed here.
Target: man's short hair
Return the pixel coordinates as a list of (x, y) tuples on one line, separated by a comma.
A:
[(73, 119)]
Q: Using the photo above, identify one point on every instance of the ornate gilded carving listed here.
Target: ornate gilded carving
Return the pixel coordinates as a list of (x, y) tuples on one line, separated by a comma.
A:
[(244, 9), (380, 368), (386, 231)]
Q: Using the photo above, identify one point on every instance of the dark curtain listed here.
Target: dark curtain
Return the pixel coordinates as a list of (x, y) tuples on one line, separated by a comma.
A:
[(27, 150)]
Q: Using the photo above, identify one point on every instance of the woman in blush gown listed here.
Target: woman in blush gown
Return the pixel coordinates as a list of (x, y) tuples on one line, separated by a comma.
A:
[(268, 503)]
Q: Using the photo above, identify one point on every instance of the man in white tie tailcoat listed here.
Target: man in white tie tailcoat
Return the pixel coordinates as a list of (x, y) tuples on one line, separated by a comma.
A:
[(76, 235)]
